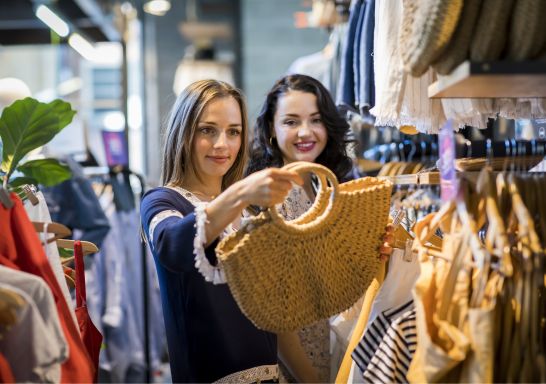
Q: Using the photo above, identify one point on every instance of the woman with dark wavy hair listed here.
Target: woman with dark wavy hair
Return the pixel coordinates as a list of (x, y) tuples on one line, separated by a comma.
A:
[(299, 121)]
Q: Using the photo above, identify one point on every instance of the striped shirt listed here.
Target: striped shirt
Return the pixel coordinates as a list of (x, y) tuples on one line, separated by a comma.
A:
[(392, 359), (372, 342)]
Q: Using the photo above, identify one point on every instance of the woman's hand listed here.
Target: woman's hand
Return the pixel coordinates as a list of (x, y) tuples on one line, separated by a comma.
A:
[(385, 250), (267, 187), (264, 188)]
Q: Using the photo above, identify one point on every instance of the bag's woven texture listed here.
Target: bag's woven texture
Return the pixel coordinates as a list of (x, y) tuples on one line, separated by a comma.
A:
[(427, 28), (527, 34), (491, 31), (458, 49), (285, 275)]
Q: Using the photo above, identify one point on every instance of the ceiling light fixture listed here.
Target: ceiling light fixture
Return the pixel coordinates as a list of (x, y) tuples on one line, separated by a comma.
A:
[(82, 46), (157, 7), (52, 20)]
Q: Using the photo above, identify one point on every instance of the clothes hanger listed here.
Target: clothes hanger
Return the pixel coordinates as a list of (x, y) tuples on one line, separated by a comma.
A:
[(87, 247), (10, 302), (58, 230), (426, 228), (5, 199)]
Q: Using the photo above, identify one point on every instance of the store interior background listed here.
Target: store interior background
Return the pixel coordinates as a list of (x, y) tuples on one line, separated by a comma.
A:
[(256, 39)]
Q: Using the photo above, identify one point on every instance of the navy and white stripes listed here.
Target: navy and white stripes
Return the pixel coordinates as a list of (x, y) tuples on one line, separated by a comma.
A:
[(386, 349)]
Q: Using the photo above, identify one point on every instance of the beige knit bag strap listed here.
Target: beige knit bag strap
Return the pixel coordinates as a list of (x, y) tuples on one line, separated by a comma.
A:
[(315, 214), (309, 214)]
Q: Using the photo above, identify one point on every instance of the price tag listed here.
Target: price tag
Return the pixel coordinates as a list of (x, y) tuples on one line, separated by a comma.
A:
[(446, 163)]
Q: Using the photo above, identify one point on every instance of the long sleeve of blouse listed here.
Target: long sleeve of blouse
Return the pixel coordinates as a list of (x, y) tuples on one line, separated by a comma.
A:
[(169, 224)]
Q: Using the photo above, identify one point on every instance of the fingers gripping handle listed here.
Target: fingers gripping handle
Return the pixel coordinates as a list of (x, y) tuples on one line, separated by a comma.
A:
[(325, 197)]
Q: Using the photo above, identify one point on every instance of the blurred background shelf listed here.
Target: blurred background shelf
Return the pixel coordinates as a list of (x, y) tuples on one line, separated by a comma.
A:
[(492, 80)]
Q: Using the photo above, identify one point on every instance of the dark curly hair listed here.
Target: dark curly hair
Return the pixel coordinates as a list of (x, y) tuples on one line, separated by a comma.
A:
[(265, 153)]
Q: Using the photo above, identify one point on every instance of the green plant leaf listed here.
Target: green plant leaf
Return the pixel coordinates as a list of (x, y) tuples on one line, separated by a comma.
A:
[(19, 181), (65, 253), (47, 172), (28, 124)]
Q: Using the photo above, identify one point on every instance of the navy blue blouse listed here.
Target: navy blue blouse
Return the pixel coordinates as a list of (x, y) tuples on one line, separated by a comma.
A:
[(207, 334)]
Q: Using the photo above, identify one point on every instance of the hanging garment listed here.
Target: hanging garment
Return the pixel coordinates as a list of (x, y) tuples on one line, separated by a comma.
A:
[(32, 346), (368, 346), (40, 213), (390, 77), (74, 204), (393, 356), (20, 249), (427, 115), (115, 297), (39, 292), (316, 65), (442, 342), (396, 289), (346, 85), (472, 112), (91, 337), (6, 375), (335, 44), (347, 365), (366, 72), (356, 45)]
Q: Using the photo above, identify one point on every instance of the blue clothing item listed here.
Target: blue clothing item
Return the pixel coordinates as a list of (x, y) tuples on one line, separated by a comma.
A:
[(367, 82), (356, 53), (74, 204), (207, 334), (345, 92)]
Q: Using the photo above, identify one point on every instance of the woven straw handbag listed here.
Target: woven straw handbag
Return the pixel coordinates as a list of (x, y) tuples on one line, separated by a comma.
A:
[(426, 30), (458, 49), (288, 274), (491, 30), (527, 36)]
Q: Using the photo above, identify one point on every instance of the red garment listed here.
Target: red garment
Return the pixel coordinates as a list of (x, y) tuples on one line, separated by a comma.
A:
[(21, 249), (6, 376), (91, 336)]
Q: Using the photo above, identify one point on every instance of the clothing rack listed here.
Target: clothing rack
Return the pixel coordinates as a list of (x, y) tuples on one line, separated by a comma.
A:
[(107, 171)]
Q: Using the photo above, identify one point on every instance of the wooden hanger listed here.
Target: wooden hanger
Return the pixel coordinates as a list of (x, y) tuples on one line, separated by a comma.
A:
[(87, 247), (58, 230), (426, 228), (10, 302)]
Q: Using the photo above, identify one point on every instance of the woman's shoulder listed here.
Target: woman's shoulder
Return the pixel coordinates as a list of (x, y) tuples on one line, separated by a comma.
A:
[(162, 197)]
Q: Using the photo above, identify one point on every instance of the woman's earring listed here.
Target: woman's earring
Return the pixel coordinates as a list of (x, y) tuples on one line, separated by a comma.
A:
[(271, 141)]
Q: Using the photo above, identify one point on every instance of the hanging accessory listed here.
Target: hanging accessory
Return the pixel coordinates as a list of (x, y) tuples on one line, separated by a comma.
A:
[(288, 274)]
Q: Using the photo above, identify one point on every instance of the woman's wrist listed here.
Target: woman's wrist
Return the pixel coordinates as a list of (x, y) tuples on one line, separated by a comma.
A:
[(237, 196)]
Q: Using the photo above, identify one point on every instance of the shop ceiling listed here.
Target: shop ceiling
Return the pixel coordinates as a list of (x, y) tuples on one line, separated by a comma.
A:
[(19, 24)]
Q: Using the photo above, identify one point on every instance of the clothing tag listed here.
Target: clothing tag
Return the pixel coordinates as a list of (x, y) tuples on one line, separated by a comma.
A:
[(448, 176), (408, 253)]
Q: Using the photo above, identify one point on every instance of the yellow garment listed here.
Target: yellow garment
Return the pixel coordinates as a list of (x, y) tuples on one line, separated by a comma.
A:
[(371, 292)]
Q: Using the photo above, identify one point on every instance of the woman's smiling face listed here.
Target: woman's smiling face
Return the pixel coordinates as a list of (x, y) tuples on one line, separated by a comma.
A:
[(298, 127)]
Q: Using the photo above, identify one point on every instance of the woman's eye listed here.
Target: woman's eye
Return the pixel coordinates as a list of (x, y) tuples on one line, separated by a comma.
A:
[(234, 132), (206, 130), (317, 121), (290, 123)]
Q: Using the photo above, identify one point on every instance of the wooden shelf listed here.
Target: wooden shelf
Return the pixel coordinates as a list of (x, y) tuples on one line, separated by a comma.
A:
[(492, 80), (428, 178)]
